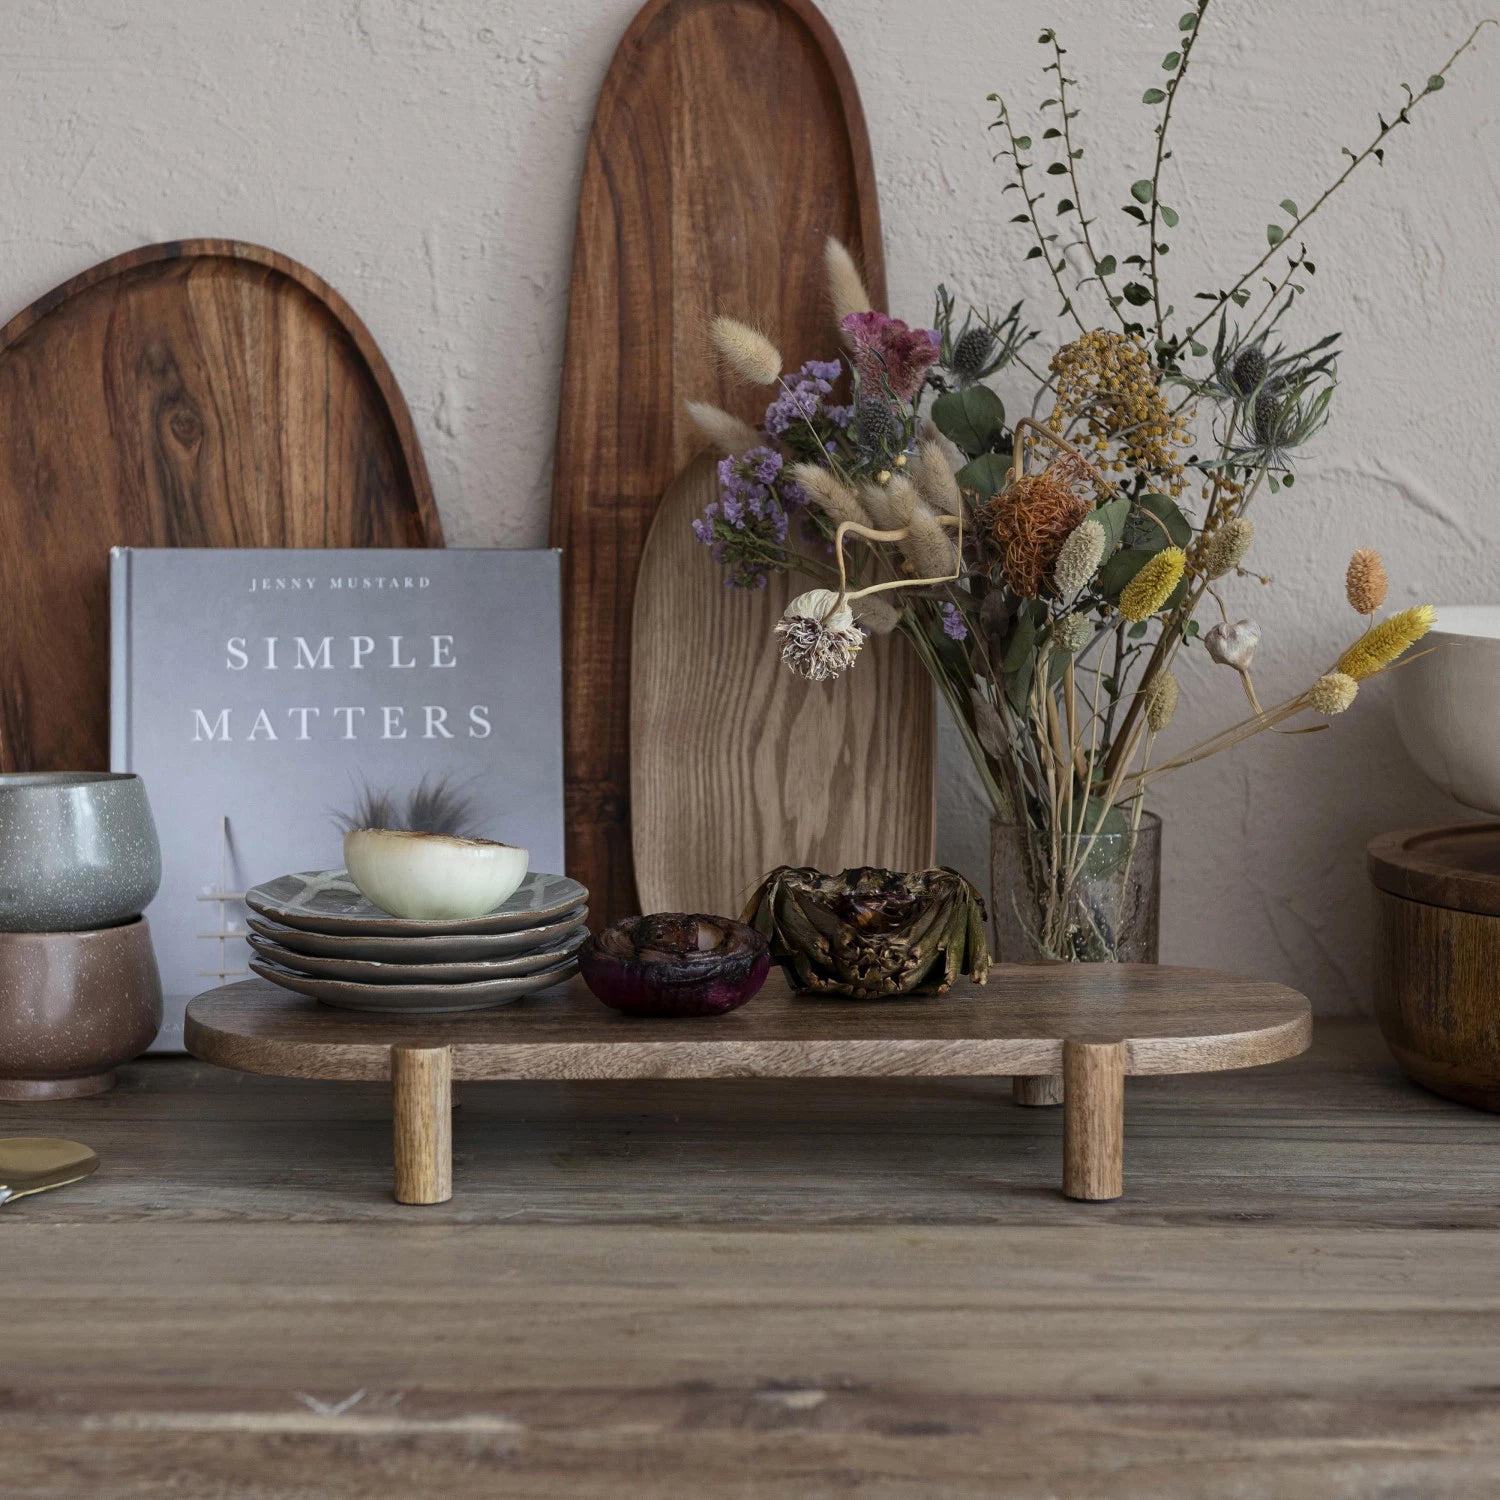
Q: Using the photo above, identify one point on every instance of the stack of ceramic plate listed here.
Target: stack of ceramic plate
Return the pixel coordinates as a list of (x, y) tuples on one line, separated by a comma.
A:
[(318, 935)]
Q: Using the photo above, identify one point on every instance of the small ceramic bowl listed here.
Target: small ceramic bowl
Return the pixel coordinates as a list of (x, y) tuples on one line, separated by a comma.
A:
[(1448, 705), (78, 850), (73, 1006), (432, 876)]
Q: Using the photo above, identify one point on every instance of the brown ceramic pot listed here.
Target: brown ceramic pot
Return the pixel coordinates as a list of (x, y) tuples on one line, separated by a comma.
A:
[(73, 1006)]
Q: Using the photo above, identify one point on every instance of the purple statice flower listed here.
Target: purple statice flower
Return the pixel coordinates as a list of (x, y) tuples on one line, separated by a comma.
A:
[(953, 623), (746, 527), (801, 399)]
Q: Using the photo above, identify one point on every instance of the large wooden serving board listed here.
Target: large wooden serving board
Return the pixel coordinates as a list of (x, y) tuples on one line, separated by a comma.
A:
[(1093, 1024), (727, 145), (737, 765), (203, 393)]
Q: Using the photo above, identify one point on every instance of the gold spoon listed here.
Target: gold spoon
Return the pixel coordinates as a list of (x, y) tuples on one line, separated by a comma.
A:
[(34, 1163)]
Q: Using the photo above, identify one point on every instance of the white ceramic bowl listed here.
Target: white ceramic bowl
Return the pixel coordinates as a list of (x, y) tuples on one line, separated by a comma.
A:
[(1448, 705), (432, 875)]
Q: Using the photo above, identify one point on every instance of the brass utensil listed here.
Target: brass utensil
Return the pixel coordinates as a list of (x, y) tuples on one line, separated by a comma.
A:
[(34, 1163)]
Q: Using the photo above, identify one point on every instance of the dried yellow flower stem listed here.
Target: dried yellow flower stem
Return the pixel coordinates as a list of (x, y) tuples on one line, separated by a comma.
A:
[(1378, 647)]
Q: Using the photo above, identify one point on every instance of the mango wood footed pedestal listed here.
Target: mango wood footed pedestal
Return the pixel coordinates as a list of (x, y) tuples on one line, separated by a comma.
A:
[(1091, 1025)]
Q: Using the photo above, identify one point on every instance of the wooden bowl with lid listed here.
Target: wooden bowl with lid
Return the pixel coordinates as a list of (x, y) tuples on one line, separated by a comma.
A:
[(1437, 963)]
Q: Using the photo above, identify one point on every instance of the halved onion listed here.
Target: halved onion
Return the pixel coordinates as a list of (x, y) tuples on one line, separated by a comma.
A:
[(675, 964), (432, 875)]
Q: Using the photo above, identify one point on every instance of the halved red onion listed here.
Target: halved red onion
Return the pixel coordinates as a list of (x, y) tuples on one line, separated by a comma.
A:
[(675, 964)]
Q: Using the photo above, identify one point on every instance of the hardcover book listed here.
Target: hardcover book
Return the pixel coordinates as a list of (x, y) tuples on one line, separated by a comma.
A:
[(267, 697)]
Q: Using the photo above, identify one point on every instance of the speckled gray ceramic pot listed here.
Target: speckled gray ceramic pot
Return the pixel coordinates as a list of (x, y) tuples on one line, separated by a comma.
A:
[(78, 850), (73, 1006)]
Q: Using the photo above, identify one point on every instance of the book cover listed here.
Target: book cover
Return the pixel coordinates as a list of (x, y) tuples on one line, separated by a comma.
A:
[(262, 694)]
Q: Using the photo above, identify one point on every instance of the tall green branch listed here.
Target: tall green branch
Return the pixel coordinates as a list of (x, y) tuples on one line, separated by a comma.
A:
[(1173, 85), (1096, 261), (1031, 210), (1375, 149)]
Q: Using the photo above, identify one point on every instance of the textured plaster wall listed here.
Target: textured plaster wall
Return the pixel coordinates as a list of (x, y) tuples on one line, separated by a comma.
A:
[(425, 159)]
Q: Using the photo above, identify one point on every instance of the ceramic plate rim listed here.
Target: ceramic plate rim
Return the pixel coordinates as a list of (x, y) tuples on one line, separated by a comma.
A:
[(276, 932), (564, 951), (382, 924), (416, 995)]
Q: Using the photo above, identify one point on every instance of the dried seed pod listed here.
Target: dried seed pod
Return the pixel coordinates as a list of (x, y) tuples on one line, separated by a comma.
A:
[(727, 432), (935, 479), (1332, 693), (1072, 633), (1233, 645), (1365, 583), (1079, 558), (819, 637), (1159, 698), (1224, 550), (877, 614), (749, 353), (929, 549), (830, 494), (846, 287)]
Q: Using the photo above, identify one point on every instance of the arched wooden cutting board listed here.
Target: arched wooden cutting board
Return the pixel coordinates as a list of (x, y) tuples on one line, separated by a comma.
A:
[(203, 393), (737, 765), (727, 144)]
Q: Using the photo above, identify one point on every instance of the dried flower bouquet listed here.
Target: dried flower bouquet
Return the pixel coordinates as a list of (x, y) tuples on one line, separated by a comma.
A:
[(1048, 570)]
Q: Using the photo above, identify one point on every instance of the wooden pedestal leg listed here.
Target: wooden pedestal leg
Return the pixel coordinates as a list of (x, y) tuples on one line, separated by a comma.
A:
[(422, 1109), (1093, 1119), (1037, 1088)]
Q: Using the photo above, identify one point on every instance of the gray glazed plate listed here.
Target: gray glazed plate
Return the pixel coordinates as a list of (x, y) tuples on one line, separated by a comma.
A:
[(475, 947), (364, 971), (415, 999), (328, 901)]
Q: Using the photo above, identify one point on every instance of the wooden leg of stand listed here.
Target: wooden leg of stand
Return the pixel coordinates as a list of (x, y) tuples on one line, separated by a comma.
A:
[(422, 1109), (1036, 1089), (1093, 1120)]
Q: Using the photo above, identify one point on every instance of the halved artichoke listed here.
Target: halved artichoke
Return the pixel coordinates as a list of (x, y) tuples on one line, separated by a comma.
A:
[(869, 933)]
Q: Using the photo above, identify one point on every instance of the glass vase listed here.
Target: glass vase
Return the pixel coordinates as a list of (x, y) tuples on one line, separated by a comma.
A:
[(1079, 898)]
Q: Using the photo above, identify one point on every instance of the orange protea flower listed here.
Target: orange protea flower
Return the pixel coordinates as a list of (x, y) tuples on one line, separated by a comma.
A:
[(1030, 522)]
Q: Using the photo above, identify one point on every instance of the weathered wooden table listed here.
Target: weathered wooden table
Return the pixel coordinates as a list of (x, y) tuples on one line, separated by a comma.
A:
[(1090, 1025)]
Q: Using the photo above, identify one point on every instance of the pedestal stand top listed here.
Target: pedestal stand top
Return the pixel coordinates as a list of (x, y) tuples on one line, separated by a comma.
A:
[(1169, 1020)]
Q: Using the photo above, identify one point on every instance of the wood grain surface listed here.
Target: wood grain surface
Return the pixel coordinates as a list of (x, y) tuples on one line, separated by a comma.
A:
[(203, 393), (1456, 865), (1093, 1120), (1295, 1298), (1437, 996), (422, 1121), (727, 144), (1170, 1021), (737, 765)]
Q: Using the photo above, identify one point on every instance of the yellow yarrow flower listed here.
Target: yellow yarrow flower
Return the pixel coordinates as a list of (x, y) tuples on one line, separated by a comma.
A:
[(1381, 646), (1153, 585)]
